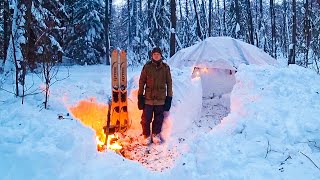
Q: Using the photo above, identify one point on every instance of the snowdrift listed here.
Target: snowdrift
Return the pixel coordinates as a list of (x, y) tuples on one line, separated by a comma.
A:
[(272, 130)]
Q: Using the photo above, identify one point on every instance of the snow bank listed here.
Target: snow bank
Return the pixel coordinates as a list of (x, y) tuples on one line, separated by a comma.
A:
[(187, 102), (278, 102), (272, 124), (270, 130), (34, 144)]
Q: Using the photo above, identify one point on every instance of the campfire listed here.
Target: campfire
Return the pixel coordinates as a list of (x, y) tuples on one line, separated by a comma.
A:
[(107, 142), (101, 140), (94, 114)]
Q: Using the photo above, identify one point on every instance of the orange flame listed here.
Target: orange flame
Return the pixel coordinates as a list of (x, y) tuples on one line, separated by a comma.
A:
[(94, 115), (205, 70), (112, 142), (101, 140)]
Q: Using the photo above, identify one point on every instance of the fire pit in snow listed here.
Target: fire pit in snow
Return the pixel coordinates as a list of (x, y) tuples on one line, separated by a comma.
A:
[(127, 144)]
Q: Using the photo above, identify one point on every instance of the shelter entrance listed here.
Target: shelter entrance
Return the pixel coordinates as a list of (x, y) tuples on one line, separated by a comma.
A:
[(217, 85)]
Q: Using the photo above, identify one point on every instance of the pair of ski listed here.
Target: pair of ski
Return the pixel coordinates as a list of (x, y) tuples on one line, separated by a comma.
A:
[(118, 122)]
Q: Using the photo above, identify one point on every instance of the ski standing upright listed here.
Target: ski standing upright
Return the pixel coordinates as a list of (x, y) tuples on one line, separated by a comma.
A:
[(119, 112)]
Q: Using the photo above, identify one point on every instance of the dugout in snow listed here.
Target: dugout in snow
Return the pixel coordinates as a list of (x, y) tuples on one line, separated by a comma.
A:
[(216, 59)]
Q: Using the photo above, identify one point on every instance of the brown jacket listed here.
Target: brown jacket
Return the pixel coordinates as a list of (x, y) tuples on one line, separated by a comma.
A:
[(155, 82)]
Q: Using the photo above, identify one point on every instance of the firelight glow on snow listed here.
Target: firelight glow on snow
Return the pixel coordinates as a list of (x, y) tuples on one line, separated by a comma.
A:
[(260, 122)]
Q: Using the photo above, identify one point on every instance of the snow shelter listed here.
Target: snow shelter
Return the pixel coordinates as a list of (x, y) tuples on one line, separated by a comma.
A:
[(216, 59)]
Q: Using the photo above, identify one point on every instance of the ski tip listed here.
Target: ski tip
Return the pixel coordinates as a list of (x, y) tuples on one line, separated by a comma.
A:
[(114, 51)]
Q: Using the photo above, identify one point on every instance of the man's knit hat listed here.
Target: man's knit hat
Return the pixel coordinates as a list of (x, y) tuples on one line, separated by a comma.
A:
[(156, 49)]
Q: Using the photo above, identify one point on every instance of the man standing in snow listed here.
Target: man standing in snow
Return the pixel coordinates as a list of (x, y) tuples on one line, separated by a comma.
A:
[(154, 96)]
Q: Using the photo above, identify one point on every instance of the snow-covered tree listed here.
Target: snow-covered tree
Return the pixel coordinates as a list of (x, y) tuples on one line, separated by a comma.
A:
[(249, 23), (36, 32), (292, 47), (315, 35), (186, 24), (236, 28), (85, 37), (198, 20), (5, 27), (139, 25)]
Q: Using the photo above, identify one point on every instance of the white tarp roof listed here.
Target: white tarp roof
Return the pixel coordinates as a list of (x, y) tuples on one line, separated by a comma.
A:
[(222, 53)]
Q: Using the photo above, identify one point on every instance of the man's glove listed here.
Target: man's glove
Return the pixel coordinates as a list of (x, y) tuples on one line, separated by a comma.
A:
[(140, 102), (167, 103)]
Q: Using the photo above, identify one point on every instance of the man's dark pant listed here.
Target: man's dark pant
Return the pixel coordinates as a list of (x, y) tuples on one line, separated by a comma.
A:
[(148, 112)]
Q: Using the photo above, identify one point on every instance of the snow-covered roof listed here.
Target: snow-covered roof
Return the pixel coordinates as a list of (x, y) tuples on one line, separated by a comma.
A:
[(221, 52)]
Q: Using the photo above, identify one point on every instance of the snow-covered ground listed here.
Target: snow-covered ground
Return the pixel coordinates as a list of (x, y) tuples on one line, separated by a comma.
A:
[(272, 130), (259, 123)]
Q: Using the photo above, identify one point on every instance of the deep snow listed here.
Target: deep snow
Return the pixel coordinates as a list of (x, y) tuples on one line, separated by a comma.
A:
[(260, 123), (272, 121)]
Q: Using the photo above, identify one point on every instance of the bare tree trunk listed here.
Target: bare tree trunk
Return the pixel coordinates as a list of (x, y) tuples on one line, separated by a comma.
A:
[(263, 39), (28, 45), (198, 21), (256, 32), (6, 29), (292, 47), (218, 15), (46, 75), (47, 83), (149, 21), (271, 24), (210, 18), (134, 30), (260, 15), (23, 66), (250, 24), (129, 23), (224, 18), (110, 22), (16, 65), (187, 9), (135, 20), (187, 23), (106, 29), (284, 29), (26, 49), (160, 28), (307, 31), (180, 8), (237, 16), (204, 19), (273, 29), (173, 19), (141, 39)]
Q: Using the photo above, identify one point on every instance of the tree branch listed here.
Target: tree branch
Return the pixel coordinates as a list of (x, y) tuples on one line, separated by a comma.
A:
[(310, 160), (268, 149)]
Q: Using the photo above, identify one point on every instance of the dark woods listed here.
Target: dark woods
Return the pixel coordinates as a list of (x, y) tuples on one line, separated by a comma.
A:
[(84, 31)]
